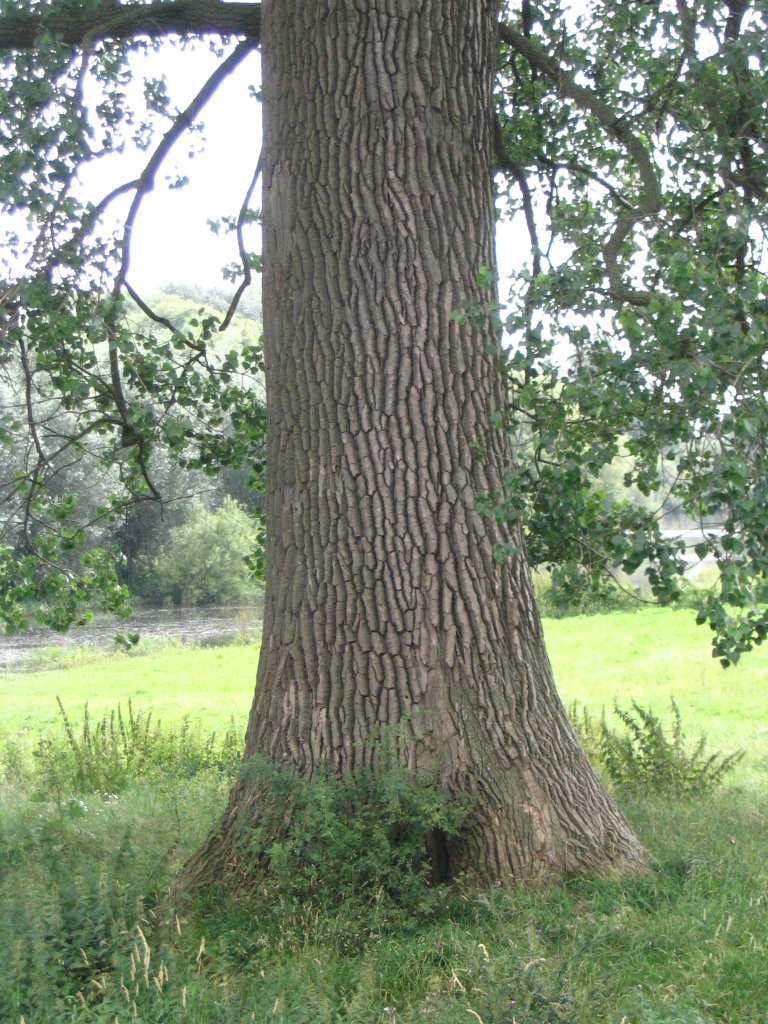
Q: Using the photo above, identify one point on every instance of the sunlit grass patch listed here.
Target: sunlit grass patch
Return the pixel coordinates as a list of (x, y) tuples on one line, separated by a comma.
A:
[(209, 684)]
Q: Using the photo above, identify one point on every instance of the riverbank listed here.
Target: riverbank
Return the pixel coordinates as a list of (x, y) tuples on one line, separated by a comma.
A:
[(40, 648)]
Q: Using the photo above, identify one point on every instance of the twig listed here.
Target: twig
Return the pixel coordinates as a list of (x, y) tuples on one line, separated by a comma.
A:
[(183, 120), (241, 249), (147, 310)]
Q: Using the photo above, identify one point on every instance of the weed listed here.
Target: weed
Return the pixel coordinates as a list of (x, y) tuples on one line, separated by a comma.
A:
[(645, 755), (80, 871), (682, 945), (120, 748)]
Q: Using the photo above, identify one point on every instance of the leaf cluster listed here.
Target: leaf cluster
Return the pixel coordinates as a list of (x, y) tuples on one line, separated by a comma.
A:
[(631, 140)]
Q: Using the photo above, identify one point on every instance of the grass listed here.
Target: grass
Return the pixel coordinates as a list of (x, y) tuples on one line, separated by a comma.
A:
[(644, 656), (656, 654), (687, 944), (211, 685)]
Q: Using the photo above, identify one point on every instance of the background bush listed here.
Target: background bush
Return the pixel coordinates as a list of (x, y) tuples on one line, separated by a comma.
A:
[(203, 562)]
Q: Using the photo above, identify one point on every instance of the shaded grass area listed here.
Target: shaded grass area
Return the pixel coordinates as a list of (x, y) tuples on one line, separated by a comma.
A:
[(80, 873), (687, 944)]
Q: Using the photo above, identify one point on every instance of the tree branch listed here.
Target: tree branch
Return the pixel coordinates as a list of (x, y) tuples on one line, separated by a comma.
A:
[(115, 22), (506, 162), (652, 199), (244, 259), (181, 123), (687, 30), (144, 185)]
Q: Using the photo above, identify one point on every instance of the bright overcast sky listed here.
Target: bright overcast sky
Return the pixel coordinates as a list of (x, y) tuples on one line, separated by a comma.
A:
[(171, 241)]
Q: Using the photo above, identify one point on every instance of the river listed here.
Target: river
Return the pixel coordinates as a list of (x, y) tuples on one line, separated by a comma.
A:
[(198, 626)]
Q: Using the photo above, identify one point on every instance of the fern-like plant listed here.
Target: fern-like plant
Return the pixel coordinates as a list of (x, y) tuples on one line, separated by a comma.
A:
[(109, 754), (647, 755)]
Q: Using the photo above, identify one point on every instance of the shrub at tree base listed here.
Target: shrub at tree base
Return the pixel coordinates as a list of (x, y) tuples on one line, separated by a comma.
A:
[(354, 850)]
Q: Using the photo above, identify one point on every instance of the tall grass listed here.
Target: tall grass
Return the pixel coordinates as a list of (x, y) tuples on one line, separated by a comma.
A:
[(686, 943)]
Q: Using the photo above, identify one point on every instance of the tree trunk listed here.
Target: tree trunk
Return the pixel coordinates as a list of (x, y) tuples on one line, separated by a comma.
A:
[(385, 606)]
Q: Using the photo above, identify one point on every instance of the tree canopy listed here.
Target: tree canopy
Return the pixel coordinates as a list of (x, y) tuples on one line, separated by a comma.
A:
[(631, 150)]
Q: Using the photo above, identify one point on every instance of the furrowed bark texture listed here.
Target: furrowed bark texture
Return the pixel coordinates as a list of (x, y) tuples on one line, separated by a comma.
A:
[(385, 606)]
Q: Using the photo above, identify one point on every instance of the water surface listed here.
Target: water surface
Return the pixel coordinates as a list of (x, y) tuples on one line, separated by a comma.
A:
[(205, 626)]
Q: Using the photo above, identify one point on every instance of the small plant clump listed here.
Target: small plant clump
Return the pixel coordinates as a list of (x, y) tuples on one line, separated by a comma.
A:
[(354, 849), (645, 755), (121, 748)]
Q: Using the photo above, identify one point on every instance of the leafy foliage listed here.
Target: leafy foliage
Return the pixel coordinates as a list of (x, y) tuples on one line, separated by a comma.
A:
[(630, 140), (558, 595), (84, 379), (630, 147), (356, 847), (205, 561)]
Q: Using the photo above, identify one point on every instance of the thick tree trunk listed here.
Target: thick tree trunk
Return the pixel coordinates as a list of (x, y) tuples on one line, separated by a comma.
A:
[(385, 605)]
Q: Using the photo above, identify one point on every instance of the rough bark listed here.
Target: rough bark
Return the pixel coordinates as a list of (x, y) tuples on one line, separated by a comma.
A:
[(385, 606)]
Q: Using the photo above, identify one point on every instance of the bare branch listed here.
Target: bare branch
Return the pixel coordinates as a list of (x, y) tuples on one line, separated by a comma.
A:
[(181, 123), (113, 22), (147, 310), (505, 162), (29, 404), (241, 248), (652, 198)]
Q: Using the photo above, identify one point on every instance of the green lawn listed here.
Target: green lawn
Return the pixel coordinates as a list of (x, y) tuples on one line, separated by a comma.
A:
[(210, 685), (80, 871), (656, 654)]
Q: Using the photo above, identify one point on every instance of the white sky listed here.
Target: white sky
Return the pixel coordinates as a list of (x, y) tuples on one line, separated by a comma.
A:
[(171, 241)]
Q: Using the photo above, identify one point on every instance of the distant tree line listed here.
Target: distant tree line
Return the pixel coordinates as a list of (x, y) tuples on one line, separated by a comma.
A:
[(182, 537)]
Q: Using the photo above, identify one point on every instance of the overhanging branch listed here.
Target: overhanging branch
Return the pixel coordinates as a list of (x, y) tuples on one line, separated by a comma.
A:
[(181, 123), (244, 258), (116, 22), (651, 199)]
